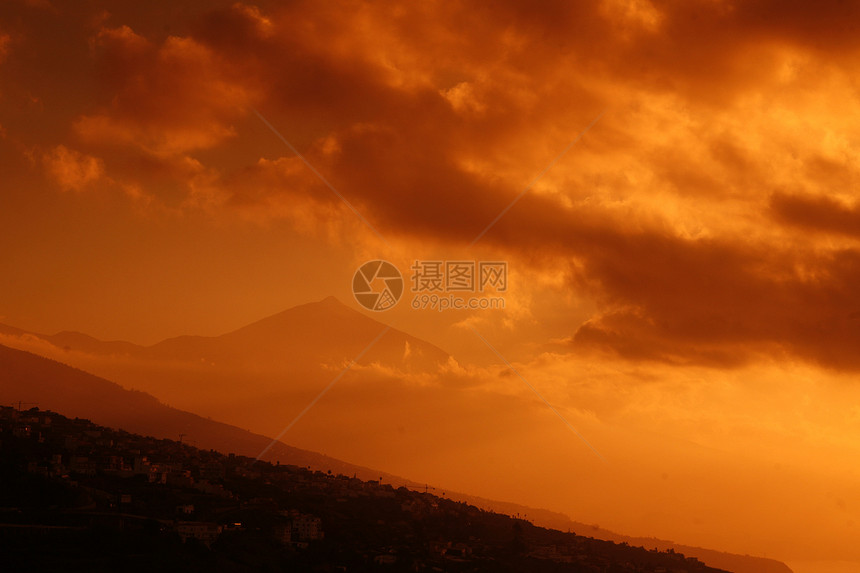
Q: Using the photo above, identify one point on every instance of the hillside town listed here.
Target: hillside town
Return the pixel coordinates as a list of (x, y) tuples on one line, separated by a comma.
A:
[(79, 496)]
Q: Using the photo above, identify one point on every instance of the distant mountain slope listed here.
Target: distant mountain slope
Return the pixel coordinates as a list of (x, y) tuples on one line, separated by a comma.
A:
[(302, 338), (277, 363), (55, 386), (12, 331), (70, 340), (298, 339)]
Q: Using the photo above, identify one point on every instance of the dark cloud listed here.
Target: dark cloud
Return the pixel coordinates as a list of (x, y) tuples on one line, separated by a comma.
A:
[(817, 213), (725, 304), (826, 26), (432, 119)]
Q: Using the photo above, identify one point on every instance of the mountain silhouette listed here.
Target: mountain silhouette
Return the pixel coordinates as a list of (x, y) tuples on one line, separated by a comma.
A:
[(70, 340), (250, 376), (299, 338), (303, 337)]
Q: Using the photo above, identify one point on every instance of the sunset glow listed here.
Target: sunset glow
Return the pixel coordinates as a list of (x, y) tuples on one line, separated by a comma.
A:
[(675, 190)]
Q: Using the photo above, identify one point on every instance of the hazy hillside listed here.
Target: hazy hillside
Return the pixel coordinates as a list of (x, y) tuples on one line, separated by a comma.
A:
[(72, 392)]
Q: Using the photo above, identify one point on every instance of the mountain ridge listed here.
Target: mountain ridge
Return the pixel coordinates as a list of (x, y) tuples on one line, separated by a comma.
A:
[(296, 332), (278, 361)]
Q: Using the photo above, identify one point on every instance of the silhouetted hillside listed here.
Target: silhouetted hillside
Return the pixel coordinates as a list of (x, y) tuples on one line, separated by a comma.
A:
[(78, 496), (555, 520), (55, 386)]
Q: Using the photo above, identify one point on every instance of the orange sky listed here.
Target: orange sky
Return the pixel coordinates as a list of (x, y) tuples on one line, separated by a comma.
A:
[(683, 282)]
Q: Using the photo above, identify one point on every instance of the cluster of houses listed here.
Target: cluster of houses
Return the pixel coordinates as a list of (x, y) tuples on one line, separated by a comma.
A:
[(296, 530), (84, 455), (88, 452)]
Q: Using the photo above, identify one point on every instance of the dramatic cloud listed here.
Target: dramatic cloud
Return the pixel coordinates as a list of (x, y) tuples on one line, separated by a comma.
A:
[(821, 214), (665, 213), (431, 130), (166, 99)]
